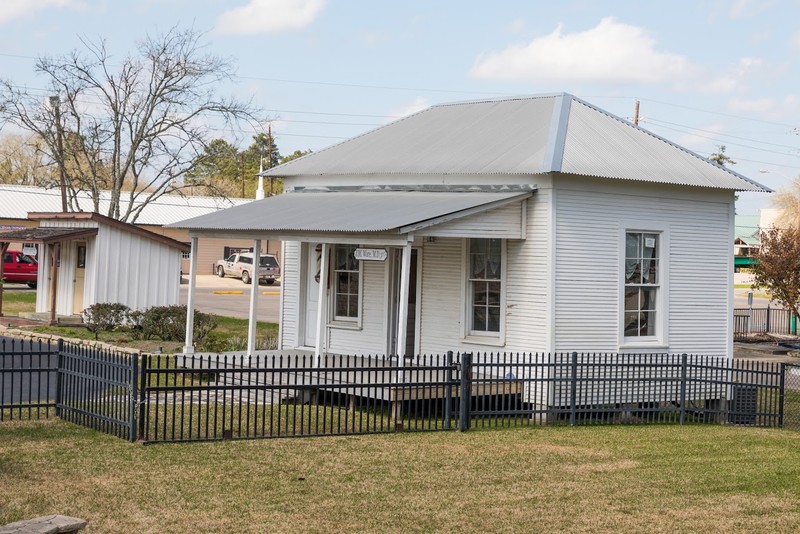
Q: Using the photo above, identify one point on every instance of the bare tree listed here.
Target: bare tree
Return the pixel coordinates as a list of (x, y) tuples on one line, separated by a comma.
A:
[(787, 200), (778, 266), (135, 127), (24, 161)]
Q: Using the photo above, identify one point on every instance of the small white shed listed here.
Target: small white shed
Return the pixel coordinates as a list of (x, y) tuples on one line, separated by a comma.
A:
[(101, 260), (536, 224)]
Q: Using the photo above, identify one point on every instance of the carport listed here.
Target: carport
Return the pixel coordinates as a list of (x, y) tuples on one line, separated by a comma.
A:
[(51, 239)]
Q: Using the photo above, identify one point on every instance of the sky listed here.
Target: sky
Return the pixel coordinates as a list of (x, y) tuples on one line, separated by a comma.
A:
[(706, 72)]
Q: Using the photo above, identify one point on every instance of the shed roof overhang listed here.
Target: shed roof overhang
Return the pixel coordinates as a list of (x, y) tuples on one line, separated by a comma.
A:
[(379, 215), (46, 235)]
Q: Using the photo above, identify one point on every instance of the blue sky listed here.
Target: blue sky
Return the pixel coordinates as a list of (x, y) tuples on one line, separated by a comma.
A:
[(707, 73)]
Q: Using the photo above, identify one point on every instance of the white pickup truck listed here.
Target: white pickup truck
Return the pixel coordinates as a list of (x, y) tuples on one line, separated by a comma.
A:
[(241, 266)]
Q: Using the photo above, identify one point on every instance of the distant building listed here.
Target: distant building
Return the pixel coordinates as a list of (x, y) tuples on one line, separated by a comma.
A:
[(16, 201)]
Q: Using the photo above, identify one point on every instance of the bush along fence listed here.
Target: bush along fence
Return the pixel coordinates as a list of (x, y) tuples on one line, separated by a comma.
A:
[(170, 398), (749, 322)]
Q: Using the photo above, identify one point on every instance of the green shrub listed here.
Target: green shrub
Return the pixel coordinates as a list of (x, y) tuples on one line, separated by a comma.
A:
[(105, 316), (168, 323)]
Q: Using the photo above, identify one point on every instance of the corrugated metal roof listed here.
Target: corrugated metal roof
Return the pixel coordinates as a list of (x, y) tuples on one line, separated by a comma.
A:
[(523, 135), (348, 211), (16, 201), (600, 144)]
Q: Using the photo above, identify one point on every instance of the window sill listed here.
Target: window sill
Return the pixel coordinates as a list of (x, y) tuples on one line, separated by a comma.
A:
[(630, 346), (344, 325), (490, 341)]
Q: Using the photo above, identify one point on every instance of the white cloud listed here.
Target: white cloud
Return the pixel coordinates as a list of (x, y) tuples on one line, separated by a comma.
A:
[(418, 104), (736, 78), (794, 41), (516, 26), (610, 52), (269, 16), (14, 9)]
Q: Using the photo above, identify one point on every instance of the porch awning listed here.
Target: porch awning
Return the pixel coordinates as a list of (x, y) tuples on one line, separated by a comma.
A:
[(45, 235), (353, 212)]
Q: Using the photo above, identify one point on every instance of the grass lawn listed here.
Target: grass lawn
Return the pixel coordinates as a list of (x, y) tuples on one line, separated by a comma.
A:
[(609, 479), (16, 301), (229, 329)]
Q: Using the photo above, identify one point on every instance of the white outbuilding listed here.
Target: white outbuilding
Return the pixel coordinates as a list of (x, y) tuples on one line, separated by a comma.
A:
[(537, 224), (88, 258)]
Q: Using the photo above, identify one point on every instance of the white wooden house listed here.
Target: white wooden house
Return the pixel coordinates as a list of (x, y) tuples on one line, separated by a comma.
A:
[(100, 260), (537, 224)]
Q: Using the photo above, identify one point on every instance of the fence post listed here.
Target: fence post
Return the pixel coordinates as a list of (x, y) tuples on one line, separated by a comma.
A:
[(448, 390), (573, 390), (781, 394), (684, 360), (768, 319), (142, 377), (134, 397), (59, 375), (466, 392)]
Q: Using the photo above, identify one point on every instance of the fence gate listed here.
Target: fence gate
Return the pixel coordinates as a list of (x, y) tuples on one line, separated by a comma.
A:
[(98, 389), (791, 396)]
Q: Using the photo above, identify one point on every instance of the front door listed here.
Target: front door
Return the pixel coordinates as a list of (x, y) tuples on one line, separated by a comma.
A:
[(394, 302), (80, 275), (312, 276)]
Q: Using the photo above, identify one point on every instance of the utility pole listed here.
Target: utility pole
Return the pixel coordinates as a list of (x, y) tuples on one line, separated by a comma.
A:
[(636, 114), (269, 155), (54, 102)]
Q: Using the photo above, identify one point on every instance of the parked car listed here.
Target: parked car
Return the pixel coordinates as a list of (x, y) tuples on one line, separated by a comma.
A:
[(20, 268), (241, 266)]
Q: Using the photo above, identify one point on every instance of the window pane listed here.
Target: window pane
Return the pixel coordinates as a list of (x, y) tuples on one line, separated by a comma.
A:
[(493, 293), (479, 319), (352, 306), (631, 323), (648, 299), (478, 266), (479, 293), (341, 305), (647, 325), (493, 320)]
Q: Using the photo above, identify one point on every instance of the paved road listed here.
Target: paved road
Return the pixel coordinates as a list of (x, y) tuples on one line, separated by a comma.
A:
[(231, 298), (24, 387)]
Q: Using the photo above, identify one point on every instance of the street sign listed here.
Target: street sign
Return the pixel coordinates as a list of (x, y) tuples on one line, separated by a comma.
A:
[(370, 254)]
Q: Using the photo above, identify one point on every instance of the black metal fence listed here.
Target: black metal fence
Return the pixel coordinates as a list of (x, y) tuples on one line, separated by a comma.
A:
[(85, 385), (161, 398), (748, 322)]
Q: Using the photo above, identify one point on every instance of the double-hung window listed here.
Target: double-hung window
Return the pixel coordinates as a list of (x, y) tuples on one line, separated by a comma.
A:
[(642, 280), (346, 275), (484, 286)]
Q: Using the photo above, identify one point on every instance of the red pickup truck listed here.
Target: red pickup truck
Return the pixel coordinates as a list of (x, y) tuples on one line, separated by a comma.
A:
[(20, 268)]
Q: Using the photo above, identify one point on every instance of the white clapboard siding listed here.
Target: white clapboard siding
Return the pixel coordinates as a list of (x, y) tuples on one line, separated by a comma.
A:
[(290, 288), (370, 338), (527, 282), (588, 279), (504, 222)]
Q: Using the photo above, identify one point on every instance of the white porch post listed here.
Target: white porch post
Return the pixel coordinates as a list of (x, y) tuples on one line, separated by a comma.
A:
[(188, 347), (253, 316), (321, 303), (402, 312)]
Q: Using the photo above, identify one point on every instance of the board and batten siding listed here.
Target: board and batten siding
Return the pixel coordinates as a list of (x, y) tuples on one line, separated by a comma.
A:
[(121, 267), (291, 270), (135, 271), (590, 221)]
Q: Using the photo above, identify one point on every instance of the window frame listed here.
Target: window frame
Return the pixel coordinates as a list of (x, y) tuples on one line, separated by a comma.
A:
[(333, 272), (659, 338), (469, 333)]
